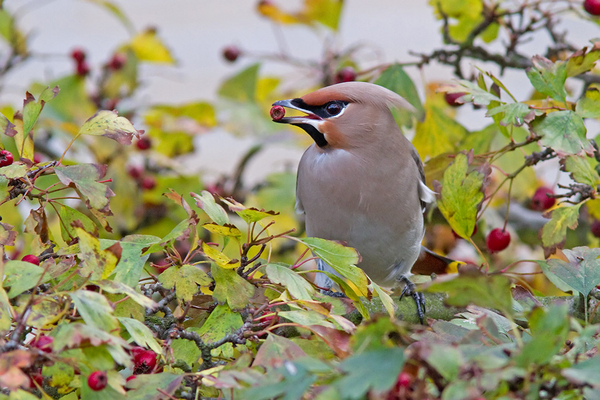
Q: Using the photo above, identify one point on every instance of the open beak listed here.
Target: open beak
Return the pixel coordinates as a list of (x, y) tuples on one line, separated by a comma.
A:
[(310, 118)]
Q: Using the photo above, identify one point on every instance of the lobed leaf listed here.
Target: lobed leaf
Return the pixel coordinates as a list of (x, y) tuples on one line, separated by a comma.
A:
[(298, 287), (564, 132), (582, 60), (588, 106), (109, 124), (580, 170), (554, 233), (548, 78), (581, 273), (231, 288), (461, 194)]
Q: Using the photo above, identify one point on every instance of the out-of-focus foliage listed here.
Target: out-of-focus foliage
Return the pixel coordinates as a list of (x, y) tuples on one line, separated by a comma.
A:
[(118, 259)]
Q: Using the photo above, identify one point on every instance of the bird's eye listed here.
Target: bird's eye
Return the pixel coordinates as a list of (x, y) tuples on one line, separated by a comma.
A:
[(333, 108)]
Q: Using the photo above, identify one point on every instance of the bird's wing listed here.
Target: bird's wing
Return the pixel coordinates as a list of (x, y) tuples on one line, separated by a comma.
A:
[(298, 206), (426, 195)]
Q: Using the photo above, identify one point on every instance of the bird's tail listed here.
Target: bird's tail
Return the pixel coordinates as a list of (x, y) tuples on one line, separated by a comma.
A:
[(431, 263)]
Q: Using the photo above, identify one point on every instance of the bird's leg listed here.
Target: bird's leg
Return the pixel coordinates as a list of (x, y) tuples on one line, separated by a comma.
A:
[(418, 297)]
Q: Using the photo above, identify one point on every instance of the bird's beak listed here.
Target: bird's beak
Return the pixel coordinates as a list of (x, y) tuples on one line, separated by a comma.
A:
[(310, 117)]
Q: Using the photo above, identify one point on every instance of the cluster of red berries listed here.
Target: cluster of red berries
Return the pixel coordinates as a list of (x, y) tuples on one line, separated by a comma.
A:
[(144, 362), (145, 182), (81, 66)]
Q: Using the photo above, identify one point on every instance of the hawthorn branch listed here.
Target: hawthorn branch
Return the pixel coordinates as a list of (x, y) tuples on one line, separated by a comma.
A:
[(236, 337)]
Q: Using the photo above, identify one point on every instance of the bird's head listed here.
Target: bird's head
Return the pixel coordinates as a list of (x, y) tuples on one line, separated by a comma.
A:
[(347, 114)]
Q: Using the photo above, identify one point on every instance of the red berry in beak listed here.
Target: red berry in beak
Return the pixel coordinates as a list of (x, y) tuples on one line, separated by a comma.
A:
[(277, 113)]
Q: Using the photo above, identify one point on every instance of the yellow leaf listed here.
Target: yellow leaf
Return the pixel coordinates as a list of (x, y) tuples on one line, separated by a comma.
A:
[(148, 47), (219, 258), (271, 11)]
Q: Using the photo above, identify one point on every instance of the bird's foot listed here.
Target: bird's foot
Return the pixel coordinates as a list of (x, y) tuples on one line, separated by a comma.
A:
[(411, 290)]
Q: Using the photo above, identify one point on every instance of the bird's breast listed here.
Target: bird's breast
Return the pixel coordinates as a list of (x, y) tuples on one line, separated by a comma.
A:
[(363, 202)]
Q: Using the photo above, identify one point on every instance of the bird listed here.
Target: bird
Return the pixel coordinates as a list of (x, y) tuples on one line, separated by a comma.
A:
[(362, 181)]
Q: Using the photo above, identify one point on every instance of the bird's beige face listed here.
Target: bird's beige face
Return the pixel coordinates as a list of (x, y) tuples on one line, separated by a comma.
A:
[(342, 116)]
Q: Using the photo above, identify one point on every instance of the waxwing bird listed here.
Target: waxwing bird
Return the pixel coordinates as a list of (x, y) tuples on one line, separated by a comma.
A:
[(362, 181)]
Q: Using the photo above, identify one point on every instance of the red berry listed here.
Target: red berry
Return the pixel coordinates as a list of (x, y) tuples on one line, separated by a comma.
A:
[(595, 228), (231, 53), (497, 240), (97, 380), (6, 158), (82, 68), (44, 343), (78, 55), (37, 378), (117, 61), (277, 113), (452, 98), (404, 380), (540, 201), (346, 74), (144, 143), (30, 258), (592, 6), (148, 183), (135, 172), (144, 362)]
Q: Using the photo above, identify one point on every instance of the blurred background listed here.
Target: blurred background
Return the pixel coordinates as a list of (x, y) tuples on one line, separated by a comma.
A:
[(200, 77)]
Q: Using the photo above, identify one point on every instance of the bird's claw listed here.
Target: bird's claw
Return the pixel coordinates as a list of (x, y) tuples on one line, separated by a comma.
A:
[(418, 297)]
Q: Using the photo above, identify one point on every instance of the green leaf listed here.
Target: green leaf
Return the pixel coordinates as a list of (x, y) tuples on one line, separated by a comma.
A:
[(231, 288), (295, 383), (141, 334), (112, 286), (32, 108), (180, 232), (248, 214), (77, 334), (385, 298), (513, 114), (473, 93), (461, 194), (185, 350), (85, 177), (490, 291), (95, 309), (21, 276), (580, 170), (241, 87), (6, 310), (438, 133), (581, 62), (554, 233), (326, 12), (342, 259), (148, 47), (131, 264), (277, 349), (306, 318), (14, 171), (298, 287), (109, 124), (395, 79), (549, 329), (373, 370), (74, 103), (185, 279), (95, 262), (145, 386), (68, 216), (589, 105), (221, 322), (581, 273), (584, 372), (548, 78), (447, 360), (564, 132), (206, 201)]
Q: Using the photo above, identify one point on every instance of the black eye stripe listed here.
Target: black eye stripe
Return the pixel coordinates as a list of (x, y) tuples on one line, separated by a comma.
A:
[(321, 110)]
